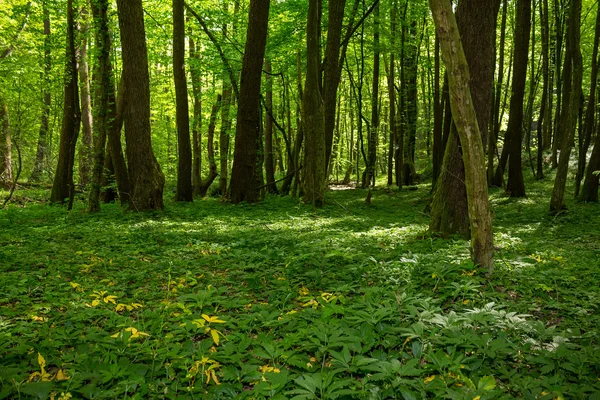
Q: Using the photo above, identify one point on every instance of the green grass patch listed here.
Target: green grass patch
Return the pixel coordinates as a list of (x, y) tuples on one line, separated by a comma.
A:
[(275, 300)]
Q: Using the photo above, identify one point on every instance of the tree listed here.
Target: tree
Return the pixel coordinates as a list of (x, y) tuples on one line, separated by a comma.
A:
[(516, 185), (184, 147), (369, 174), (5, 144), (86, 159), (63, 186), (573, 71), (145, 177), (243, 186), (465, 118), (269, 160), (314, 129)]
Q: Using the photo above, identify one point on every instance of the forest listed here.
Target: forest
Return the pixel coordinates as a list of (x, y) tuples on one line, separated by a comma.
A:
[(299, 199)]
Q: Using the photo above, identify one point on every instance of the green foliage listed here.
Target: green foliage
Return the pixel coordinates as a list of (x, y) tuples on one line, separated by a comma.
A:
[(217, 301)]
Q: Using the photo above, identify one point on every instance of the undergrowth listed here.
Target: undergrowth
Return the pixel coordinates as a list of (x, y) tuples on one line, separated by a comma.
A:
[(276, 300)]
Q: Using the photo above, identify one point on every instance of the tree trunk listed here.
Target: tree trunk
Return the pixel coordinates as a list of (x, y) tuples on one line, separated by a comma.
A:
[(244, 171), (589, 190), (516, 185), (269, 159), (212, 165), (146, 179), (63, 186), (314, 130), (184, 147), (544, 120), (450, 206), (332, 70), (197, 122), (5, 145), (86, 158), (41, 156), (115, 149), (438, 116), (571, 96), (465, 118), (374, 131)]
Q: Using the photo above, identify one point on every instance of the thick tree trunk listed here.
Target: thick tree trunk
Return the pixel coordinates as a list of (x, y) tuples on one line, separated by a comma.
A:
[(245, 159), (463, 112), (477, 21), (572, 96), (516, 185), (63, 186), (86, 158), (184, 147), (314, 130), (269, 159), (41, 156), (146, 179)]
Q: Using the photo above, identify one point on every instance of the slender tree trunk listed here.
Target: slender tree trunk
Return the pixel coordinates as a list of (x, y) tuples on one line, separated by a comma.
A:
[(571, 96), (5, 145), (438, 116), (41, 156), (63, 186), (374, 131), (115, 149), (184, 147), (516, 185), (245, 160), (589, 190), (146, 179), (463, 112), (197, 122), (314, 156), (86, 158), (450, 207), (544, 121), (331, 69), (269, 159), (558, 76), (590, 112), (391, 75), (210, 146)]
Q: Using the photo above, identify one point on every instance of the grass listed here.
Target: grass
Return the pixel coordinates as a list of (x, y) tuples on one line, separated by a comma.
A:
[(275, 300)]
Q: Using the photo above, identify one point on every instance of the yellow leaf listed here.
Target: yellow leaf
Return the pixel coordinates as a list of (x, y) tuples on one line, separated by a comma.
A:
[(477, 398), (214, 319), (467, 301), (199, 323), (74, 285), (215, 335), (60, 376), (429, 379), (41, 361), (110, 299), (65, 396), (120, 307), (38, 319), (303, 291), (214, 377), (95, 303), (469, 273), (433, 276), (116, 335), (136, 305), (33, 376)]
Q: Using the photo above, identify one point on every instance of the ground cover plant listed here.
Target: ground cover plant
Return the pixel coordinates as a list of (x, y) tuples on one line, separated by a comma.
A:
[(276, 300)]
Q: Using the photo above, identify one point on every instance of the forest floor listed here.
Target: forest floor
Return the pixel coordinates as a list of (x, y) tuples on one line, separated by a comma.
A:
[(275, 300)]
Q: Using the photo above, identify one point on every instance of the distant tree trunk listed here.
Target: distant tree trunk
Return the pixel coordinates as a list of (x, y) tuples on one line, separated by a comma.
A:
[(5, 144), (391, 77), (493, 136), (450, 207), (438, 116), (63, 186), (559, 19), (589, 190), (590, 112), (184, 148), (115, 149), (514, 133), (410, 105), (86, 158), (146, 179), (245, 159), (41, 156), (463, 112), (571, 96), (269, 159), (210, 143), (332, 69), (544, 119), (197, 122), (374, 131), (104, 103), (314, 130)]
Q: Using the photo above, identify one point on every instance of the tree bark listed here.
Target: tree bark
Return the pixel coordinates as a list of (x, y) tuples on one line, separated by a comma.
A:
[(212, 165), (63, 186), (269, 159), (146, 179), (374, 129), (5, 144), (314, 130), (197, 121), (184, 147), (514, 133), (465, 118), (245, 159)]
